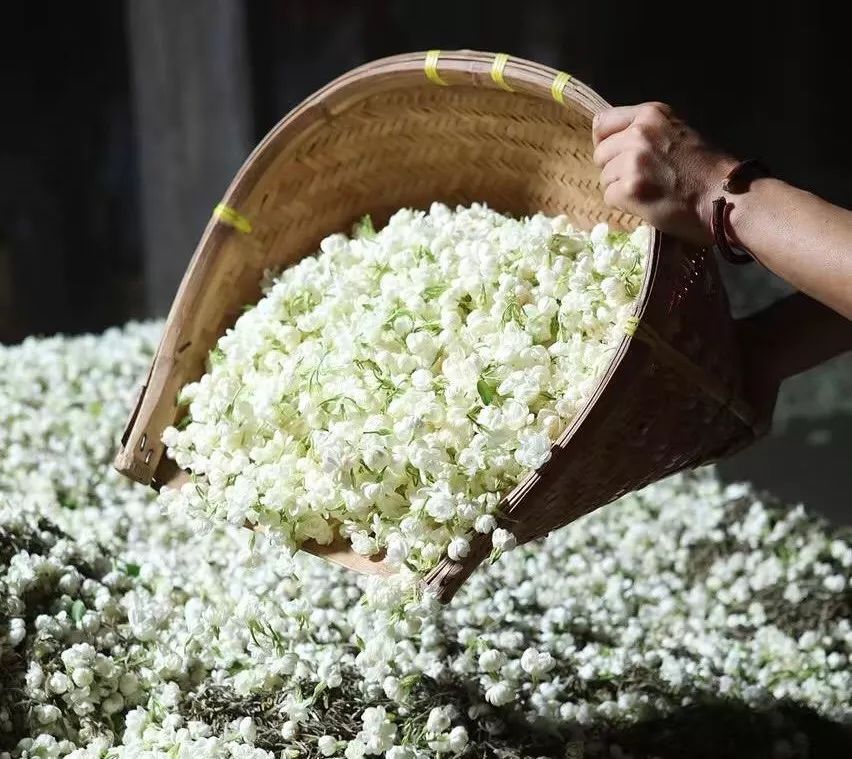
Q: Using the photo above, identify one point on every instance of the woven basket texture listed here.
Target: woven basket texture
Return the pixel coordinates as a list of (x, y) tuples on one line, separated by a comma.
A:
[(459, 128)]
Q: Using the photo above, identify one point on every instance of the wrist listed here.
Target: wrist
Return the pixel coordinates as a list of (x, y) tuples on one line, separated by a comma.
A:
[(713, 176)]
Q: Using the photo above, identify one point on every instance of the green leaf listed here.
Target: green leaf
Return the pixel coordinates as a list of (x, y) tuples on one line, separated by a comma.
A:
[(78, 609), (414, 473), (424, 252), (616, 237), (183, 423), (132, 570), (433, 327), (486, 391), (430, 293), (513, 312), (66, 501), (409, 681), (471, 415), (318, 690), (562, 245), (365, 228), (368, 363)]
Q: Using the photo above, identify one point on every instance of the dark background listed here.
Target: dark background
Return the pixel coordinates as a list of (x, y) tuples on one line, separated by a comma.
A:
[(123, 123)]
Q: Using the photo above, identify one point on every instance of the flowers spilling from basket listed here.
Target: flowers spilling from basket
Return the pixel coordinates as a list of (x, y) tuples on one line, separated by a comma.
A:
[(685, 612), (395, 386)]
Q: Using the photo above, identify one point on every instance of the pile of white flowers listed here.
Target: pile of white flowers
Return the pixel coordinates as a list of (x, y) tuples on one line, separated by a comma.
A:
[(394, 386), (688, 618)]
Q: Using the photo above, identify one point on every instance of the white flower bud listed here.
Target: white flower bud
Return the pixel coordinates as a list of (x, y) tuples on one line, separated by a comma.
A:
[(393, 688), (17, 631), (247, 729), (45, 714), (438, 720), (327, 745), (485, 523), (458, 739), (499, 694), (58, 682), (458, 548), (82, 677), (491, 660), (536, 663), (503, 540)]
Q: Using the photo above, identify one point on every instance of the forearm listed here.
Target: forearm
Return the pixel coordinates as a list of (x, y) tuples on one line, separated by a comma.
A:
[(800, 237), (658, 168)]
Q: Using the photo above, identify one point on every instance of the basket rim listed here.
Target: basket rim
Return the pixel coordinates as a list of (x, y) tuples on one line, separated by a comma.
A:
[(456, 69)]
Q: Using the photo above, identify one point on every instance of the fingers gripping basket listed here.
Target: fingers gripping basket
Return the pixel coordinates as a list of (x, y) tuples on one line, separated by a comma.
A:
[(461, 127)]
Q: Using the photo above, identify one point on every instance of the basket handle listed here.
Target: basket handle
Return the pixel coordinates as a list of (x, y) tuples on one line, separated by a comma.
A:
[(787, 338)]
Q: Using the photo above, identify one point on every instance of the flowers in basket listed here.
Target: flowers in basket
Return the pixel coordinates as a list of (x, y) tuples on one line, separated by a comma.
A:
[(393, 387)]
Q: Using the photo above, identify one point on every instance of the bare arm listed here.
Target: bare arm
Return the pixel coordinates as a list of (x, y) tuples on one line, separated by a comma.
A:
[(657, 167), (800, 237)]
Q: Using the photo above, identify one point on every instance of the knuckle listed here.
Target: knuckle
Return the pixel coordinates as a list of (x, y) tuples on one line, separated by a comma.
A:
[(651, 116), (644, 131), (661, 109), (642, 158)]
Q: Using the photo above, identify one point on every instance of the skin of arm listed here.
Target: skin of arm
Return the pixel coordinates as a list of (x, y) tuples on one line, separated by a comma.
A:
[(655, 166)]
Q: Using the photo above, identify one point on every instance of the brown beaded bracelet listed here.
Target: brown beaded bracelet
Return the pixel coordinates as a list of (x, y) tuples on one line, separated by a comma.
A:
[(737, 181)]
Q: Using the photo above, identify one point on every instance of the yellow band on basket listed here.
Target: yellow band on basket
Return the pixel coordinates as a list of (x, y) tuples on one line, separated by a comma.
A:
[(558, 85), (630, 326), (232, 218), (497, 69), (430, 68)]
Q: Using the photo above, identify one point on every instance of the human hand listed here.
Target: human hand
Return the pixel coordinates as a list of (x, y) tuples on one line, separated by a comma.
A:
[(658, 168)]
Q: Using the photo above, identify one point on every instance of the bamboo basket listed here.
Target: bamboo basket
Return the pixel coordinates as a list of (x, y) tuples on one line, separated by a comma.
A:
[(460, 127)]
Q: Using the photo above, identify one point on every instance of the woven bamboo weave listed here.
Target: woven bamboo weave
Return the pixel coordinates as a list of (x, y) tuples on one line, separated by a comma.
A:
[(460, 127)]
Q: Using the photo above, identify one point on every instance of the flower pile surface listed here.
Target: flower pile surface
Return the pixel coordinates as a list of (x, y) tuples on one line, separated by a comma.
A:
[(396, 385), (690, 619)]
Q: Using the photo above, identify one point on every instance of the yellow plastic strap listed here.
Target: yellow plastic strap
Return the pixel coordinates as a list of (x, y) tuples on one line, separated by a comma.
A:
[(630, 326), (558, 85), (497, 69), (430, 68), (232, 218)]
